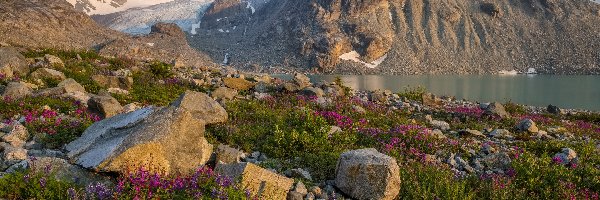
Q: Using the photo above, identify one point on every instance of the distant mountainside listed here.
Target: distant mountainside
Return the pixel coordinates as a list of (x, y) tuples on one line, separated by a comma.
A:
[(93, 7), (35, 24), (405, 36), (185, 13)]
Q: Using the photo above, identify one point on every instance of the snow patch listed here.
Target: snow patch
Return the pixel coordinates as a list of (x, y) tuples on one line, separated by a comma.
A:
[(355, 57), (249, 5), (102, 7)]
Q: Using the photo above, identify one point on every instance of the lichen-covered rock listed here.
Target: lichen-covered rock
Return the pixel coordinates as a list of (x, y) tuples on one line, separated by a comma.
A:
[(12, 153), (301, 80), (17, 90), (238, 83), (368, 174), (566, 156), (496, 109), (46, 73), (122, 82), (224, 93), (202, 107), (260, 182), (106, 106), (226, 154), (17, 136), (53, 61), (169, 140), (12, 63)]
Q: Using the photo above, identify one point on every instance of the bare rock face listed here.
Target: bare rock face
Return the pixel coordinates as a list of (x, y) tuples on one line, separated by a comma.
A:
[(368, 174), (261, 182), (59, 26), (166, 140), (12, 63), (166, 43)]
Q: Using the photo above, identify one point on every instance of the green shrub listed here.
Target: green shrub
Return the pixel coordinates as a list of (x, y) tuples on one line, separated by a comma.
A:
[(26, 184)]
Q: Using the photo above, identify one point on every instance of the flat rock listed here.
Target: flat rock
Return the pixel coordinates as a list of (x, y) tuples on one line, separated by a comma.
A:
[(238, 83), (368, 174), (260, 182)]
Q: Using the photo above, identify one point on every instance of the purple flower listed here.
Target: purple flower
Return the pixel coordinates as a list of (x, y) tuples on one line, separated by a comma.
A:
[(72, 193), (99, 191), (557, 159), (43, 182)]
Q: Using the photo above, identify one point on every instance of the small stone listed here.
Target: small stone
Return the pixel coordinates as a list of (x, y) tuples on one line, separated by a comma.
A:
[(17, 137), (106, 106), (309, 196), (496, 109), (431, 100), (71, 86), (45, 73), (554, 110), (358, 109), (501, 133), (224, 93), (301, 80), (300, 188), (528, 125), (311, 91), (566, 156), (13, 153), (301, 173), (437, 133), (227, 155), (53, 61), (470, 132), (293, 195)]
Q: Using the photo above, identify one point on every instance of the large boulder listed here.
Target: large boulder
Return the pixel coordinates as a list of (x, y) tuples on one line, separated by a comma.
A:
[(12, 63), (301, 80), (368, 174), (17, 90), (260, 182), (106, 106), (202, 107), (167, 140), (62, 170)]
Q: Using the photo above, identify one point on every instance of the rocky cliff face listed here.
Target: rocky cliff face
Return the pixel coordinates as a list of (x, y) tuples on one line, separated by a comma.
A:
[(407, 36), (55, 24)]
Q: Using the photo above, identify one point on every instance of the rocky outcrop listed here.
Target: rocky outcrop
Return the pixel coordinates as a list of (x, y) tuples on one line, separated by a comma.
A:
[(368, 174), (261, 183), (169, 140), (59, 26), (17, 90)]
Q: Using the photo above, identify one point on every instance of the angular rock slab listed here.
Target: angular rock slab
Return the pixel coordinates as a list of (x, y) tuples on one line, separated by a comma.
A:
[(168, 140), (260, 182), (368, 174)]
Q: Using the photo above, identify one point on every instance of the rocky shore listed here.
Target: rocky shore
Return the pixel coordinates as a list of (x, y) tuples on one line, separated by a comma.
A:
[(82, 126)]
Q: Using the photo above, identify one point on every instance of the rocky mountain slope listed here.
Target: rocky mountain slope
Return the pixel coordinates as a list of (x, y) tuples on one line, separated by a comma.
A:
[(55, 24), (406, 36), (93, 7), (185, 13)]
